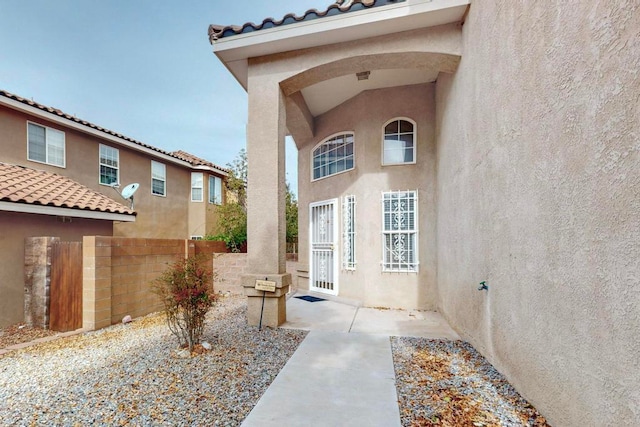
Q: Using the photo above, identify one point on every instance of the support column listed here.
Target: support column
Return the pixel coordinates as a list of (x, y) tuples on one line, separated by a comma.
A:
[(266, 191)]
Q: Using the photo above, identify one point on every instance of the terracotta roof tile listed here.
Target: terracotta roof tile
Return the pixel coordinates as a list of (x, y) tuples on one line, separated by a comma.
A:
[(20, 184), (217, 32), (196, 161), (59, 113)]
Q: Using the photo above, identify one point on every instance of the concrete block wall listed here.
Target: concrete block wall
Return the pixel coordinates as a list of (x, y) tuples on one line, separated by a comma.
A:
[(229, 268), (135, 264)]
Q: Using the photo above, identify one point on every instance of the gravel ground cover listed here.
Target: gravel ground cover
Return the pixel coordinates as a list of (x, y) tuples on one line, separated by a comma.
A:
[(130, 374), (448, 383), (20, 333)]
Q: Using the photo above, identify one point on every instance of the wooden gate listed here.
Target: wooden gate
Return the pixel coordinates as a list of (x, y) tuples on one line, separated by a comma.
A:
[(65, 307)]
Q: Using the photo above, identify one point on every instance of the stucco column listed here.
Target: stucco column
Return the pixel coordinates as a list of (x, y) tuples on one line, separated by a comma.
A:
[(266, 201)]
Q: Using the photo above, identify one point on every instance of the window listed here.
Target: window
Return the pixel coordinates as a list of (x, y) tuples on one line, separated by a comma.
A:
[(196, 186), (399, 143), (333, 156), (197, 238), (158, 178), (45, 145), (400, 231), (215, 190), (109, 165), (349, 233)]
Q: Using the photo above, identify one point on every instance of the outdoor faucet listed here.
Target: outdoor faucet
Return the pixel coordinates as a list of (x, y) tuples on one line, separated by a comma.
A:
[(483, 286)]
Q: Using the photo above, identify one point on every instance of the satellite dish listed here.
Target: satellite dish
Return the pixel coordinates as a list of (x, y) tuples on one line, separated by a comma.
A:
[(128, 191)]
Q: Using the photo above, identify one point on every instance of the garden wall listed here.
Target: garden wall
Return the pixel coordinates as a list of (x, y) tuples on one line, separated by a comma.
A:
[(118, 274), (230, 267)]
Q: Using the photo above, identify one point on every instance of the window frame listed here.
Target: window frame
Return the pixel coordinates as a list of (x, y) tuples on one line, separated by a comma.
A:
[(163, 180), (213, 179), (201, 188), (413, 265), (100, 165), (46, 161), (349, 260), (415, 139), (327, 140)]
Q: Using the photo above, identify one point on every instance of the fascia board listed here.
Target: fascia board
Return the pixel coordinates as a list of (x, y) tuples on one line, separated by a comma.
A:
[(56, 211), (234, 51), (17, 105)]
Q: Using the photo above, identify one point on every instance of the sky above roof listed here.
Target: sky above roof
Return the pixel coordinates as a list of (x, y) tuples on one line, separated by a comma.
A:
[(141, 68)]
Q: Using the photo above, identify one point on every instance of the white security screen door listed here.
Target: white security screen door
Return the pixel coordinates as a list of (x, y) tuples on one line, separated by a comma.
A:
[(323, 236)]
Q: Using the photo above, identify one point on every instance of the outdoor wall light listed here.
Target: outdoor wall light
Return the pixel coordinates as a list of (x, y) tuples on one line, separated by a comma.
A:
[(363, 75)]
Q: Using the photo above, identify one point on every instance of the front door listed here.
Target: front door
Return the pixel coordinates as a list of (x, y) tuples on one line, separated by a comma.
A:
[(323, 239)]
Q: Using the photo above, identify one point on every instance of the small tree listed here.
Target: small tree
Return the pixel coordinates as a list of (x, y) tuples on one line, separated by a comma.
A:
[(186, 290)]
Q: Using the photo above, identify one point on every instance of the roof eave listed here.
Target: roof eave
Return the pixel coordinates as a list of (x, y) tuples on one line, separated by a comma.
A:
[(67, 212), (234, 51)]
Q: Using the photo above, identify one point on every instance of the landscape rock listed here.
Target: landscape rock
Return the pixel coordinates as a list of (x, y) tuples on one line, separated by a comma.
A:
[(127, 319)]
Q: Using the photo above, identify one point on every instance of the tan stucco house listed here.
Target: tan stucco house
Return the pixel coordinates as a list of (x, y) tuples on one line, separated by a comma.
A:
[(178, 193), (444, 143)]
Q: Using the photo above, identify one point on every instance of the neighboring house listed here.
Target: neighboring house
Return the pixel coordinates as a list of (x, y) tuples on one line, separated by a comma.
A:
[(443, 143), (36, 203), (208, 190), (178, 192)]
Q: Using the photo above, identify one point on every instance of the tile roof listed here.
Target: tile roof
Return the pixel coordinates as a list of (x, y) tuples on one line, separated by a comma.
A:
[(197, 161), (19, 184), (62, 114), (217, 32)]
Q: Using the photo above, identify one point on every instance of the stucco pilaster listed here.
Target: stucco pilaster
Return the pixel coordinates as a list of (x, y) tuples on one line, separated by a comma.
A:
[(266, 194)]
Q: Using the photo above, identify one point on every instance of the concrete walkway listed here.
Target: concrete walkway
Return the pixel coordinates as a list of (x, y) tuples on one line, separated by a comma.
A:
[(342, 374)]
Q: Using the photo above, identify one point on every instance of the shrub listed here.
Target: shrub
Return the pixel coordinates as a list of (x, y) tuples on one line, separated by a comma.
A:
[(186, 290), (232, 226)]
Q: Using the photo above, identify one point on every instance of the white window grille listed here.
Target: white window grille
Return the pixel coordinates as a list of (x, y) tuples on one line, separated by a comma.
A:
[(45, 145), (215, 190), (400, 231), (158, 178), (333, 156), (399, 145), (349, 233), (197, 186), (109, 165)]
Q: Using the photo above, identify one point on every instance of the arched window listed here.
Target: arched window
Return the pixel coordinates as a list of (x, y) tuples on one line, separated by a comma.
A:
[(399, 144), (333, 155)]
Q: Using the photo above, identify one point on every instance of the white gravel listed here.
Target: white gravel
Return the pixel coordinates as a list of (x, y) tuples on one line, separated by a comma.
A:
[(129, 374)]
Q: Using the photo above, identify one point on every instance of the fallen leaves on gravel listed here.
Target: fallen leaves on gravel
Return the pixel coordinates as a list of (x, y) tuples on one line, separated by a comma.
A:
[(448, 383), (21, 333)]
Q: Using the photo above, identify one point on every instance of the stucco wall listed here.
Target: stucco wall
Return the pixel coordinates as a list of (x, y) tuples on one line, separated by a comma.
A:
[(539, 194), (365, 115), (158, 217), (14, 228)]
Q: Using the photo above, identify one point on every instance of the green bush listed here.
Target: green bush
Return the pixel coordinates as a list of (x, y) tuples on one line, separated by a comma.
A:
[(232, 226), (186, 290)]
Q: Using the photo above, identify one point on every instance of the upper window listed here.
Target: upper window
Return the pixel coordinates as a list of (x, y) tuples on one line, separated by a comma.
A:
[(196, 186), (333, 156), (109, 165), (399, 143), (215, 190), (400, 231), (45, 145), (158, 178)]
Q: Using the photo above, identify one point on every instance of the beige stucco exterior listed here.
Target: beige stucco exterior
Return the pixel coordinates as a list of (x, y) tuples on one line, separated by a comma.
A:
[(365, 116), (172, 216), (14, 228), (528, 163)]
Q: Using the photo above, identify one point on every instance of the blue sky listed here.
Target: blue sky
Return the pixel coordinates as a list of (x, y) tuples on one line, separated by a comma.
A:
[(138, 67)]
